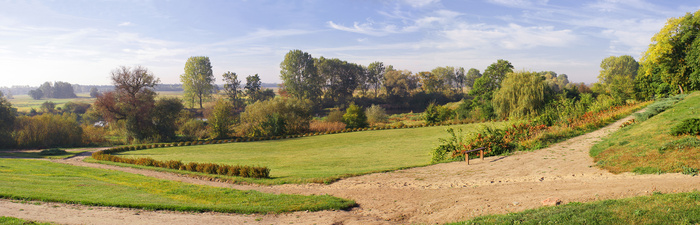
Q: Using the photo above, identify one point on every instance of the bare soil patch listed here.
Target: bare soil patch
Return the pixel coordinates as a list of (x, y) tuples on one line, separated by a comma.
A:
[(435, 194)]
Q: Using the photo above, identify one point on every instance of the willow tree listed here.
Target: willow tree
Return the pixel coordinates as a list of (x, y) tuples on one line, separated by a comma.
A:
[(522, 95), (198, 79)]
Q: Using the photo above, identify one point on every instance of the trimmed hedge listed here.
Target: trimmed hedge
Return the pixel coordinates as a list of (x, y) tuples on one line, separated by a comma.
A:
[(209, 168)]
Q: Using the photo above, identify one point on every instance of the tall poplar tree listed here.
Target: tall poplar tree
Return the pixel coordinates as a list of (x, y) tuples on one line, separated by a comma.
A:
[(198, 79)]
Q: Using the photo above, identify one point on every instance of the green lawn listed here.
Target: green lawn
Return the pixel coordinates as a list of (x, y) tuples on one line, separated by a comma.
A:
[(636, 148), (683, 208), (37, 155), (322, 158), (53, 182)]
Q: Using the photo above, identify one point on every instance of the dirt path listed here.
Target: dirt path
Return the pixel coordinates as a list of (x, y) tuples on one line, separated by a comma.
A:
[(434, 194)]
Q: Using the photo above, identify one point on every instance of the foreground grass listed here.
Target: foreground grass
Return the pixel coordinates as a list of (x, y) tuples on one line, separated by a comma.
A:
[(54, 182), (324, 158), (637, 148), (15, 221), (683, 208)]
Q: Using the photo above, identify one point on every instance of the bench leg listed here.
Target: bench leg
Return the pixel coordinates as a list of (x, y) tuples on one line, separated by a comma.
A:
[(466, 157)]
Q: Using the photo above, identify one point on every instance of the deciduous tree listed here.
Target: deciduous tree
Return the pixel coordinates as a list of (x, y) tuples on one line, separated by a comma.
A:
[(617, 76), (300, 77), (132, 101), (198, 79), (232, 89), (522, 95), (375, 76)]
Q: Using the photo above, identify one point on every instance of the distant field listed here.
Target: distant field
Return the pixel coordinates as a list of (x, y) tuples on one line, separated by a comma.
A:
[(24, 103), (319, 158), (54, 182)]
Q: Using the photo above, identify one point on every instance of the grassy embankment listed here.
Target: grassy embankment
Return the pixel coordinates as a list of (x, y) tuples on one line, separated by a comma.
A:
[(648, 147), (25, 179), (323, 158), (682, 208)]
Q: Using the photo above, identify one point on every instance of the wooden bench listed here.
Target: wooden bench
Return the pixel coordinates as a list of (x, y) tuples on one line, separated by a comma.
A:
[(466, 153)]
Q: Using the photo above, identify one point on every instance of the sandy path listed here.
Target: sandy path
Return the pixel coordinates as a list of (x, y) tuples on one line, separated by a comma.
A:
[(434, 194)]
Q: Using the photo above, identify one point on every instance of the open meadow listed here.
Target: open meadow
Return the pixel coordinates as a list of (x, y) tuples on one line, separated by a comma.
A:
[(24, 103), (323, 158)]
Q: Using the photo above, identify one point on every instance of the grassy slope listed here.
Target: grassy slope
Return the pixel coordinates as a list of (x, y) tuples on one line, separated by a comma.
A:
[(318, 158), (47, 181), (683, 208), (636, 147)]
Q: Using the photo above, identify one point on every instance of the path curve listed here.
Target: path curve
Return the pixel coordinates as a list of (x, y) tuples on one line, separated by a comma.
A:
[(434, 194)]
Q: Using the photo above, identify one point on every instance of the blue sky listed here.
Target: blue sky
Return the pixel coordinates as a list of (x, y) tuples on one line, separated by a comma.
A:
[(82, 41)]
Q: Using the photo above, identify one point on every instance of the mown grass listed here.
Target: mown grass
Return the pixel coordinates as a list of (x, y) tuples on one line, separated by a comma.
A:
[(682, 208), (648, 147), (15, 221), (26, 179), (319, 159), (37, 154)]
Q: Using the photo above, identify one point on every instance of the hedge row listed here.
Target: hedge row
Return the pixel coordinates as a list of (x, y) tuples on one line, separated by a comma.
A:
[(209, 168)]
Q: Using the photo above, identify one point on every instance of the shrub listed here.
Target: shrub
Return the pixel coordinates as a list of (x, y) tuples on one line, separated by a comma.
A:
[(48, 130), (335, 115), (376, 114), (294, 115), (53, 151), (194, 129), (688, 126), (354, 117), (436, 114), (321, 126)]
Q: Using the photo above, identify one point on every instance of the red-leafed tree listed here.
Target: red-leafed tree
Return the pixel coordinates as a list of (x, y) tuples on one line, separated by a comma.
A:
[(132, 101)]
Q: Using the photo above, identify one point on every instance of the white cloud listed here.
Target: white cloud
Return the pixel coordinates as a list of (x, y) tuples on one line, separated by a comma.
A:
[(420, 3), (512, 36), (365, 28), (124, 24)]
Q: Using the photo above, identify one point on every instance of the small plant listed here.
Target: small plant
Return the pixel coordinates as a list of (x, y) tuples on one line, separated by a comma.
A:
[(680, 144), (690, 171), (688, 126)]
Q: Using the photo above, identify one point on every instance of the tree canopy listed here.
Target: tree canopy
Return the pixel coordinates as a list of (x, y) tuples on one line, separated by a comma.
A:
[(672, 61), (198, 79), (299, 76), (522, 95), (617, 75)]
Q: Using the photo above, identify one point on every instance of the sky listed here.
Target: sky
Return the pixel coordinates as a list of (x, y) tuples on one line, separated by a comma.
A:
[(82, 41)]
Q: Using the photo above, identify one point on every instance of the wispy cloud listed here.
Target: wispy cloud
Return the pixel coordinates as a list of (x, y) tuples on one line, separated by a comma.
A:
[(420, 3), (124, 24)]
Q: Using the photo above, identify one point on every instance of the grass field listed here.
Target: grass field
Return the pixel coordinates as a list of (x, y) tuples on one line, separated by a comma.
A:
[(35, 154), (24, 103), (26, 179), (322, 158), (683, 208), (636, 148)]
